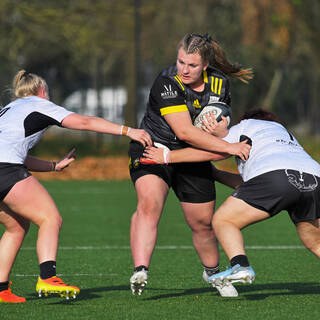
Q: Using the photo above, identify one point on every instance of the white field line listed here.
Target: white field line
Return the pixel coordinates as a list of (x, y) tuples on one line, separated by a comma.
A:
[(280, 247), (72, 275)]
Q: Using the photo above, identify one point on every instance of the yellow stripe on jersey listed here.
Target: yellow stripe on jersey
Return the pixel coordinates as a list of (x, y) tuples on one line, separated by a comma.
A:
[(180, 82), (205, 76), (173, 109), (216, 85), (220, 86)]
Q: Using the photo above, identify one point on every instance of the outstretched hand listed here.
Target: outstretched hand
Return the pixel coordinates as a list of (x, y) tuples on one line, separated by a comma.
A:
[(141, 136), (64, 162), (240, 149)]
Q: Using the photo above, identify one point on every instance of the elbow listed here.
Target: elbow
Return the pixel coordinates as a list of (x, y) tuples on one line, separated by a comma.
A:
[(84, 123), (184, 135)]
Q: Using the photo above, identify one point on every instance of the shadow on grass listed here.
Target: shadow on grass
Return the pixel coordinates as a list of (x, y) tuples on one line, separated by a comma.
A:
[(280, 289), (253, 291), (246, 292), (85, 294)]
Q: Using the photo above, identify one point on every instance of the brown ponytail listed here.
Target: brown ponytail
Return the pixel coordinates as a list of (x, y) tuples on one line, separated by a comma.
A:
[(211, 51)]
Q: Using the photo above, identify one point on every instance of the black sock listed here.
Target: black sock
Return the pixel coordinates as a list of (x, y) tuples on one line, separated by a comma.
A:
[(211, 270), (47, 269), (4, 285), (240, 259), (140, 268)]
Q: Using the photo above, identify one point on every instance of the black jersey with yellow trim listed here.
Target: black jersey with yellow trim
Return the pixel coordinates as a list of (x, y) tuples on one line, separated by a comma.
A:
[(170, 95)]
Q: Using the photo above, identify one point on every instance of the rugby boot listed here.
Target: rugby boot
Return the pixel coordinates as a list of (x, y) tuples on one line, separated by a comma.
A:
[(6, 296), (55, 285), (234, 274), (138, 281), (225, 289)]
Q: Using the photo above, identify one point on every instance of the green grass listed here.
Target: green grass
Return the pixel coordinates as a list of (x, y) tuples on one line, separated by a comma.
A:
[(94, 254)]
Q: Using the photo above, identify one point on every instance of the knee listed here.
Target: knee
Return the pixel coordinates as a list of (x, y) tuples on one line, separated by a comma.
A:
[(147, 213), (147, 209), (219, 223), (201, 225), (54, 220), (19, 230), (216, 221)]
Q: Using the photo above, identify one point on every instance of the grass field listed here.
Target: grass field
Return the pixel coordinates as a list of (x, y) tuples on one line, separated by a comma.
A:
[(94, 255)]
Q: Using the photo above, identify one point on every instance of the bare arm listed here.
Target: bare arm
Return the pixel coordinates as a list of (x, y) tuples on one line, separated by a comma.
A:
[(79, 122), (232, 180), (36, 164), (159, 155), (154, 155), (182, 126)]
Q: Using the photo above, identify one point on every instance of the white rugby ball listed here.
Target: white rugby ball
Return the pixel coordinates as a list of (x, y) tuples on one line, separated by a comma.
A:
[(218, 109)]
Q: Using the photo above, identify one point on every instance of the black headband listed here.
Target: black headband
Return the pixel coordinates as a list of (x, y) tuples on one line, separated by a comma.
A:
[(205, 37), (25, 74)]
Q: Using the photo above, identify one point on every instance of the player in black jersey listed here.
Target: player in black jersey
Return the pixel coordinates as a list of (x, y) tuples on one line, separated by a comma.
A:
[(179, 93)]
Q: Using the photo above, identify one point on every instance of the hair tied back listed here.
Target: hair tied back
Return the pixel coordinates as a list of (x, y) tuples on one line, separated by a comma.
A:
[(207, 37)]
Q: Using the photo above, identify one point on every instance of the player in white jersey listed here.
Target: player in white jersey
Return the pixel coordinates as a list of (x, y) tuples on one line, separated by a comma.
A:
[(279, 175), (22, 198)]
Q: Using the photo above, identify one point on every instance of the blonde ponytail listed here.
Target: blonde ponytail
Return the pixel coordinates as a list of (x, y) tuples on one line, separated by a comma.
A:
[(27, 84)]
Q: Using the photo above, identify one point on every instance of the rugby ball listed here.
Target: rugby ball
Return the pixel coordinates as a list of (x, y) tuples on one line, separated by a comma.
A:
[(218, 109)]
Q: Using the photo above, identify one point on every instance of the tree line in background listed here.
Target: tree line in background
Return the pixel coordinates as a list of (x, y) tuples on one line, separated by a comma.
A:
[(80, 44)]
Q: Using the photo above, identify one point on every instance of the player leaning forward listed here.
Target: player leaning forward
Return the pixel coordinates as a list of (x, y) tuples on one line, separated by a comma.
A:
[(279, 175), (177, 96), (22, 197)]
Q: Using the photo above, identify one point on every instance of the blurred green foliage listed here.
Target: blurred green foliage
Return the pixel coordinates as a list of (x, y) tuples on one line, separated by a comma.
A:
[(56, 147), (81, 44)]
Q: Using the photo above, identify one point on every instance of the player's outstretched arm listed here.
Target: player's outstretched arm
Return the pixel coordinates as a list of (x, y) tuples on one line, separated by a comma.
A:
[(79, 122), (182, 126), (232, 180), (162, 156), (39, 165)]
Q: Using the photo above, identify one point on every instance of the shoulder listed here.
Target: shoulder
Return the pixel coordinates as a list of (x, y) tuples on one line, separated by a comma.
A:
[(169, 71), (212, 71), (165, 81)]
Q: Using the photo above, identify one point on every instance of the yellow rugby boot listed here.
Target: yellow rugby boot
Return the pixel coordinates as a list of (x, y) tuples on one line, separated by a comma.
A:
[(55, 285)]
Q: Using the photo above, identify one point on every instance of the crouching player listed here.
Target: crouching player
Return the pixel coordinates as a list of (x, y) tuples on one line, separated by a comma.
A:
[(279, 175), (22, 198), (16, 228)]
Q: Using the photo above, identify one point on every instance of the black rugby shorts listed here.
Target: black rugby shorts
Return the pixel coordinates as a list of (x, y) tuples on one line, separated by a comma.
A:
[(191, 182), (10, 174), (296, 192)]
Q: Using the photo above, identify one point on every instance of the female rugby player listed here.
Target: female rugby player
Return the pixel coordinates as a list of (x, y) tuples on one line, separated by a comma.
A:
[(179, 93), (279, 175), (22, 198)]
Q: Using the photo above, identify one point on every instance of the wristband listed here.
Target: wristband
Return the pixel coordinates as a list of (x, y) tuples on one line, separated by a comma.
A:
[(53, 165), (124, 130), (166, 156)]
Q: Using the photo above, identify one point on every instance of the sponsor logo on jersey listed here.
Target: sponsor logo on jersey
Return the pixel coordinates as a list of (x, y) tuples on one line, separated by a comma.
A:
[(213, 99), (291, 143), (169, 93), (196, 104)]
